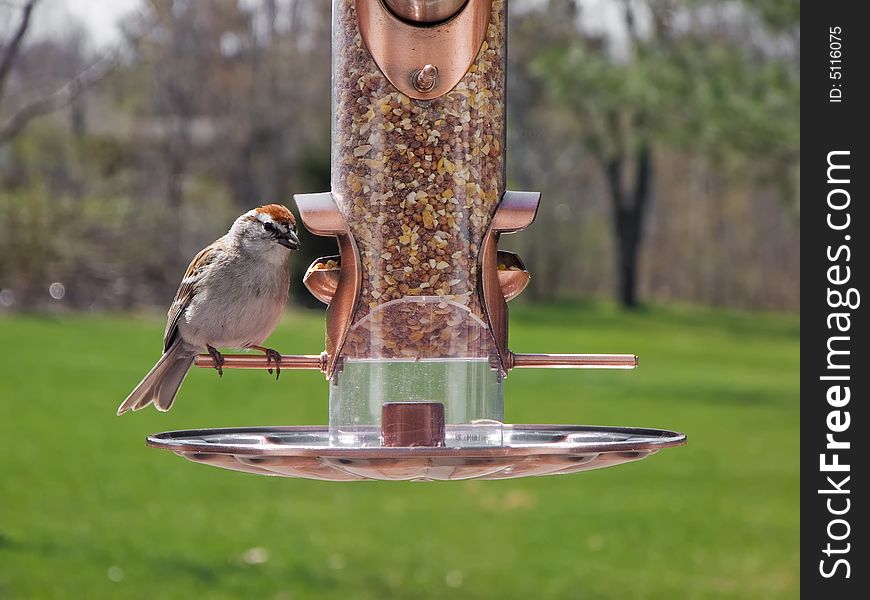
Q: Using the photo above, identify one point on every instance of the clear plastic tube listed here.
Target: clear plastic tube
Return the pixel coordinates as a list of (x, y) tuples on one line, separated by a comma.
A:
[(418, 182)]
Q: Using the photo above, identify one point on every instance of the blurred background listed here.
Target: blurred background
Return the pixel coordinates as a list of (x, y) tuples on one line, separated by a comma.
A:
[(664, 135)]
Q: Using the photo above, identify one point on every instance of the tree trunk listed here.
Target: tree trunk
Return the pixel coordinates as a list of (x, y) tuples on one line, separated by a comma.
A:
[(629, 209), (627, 251)]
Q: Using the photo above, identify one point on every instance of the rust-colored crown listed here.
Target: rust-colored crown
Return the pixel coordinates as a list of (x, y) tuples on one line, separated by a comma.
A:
[(277, 212)]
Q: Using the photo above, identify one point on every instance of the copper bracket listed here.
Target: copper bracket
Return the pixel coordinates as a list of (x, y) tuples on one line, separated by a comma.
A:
[(515, 212), (403, 51), (321, 216)]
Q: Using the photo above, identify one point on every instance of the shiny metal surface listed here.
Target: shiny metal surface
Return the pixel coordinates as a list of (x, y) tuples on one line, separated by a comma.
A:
[(340, 310), (514, 278), (321, 282), (573, 361), (514, 361), (321, 216), (515, 212), (527, 450), (425, 79), (401, 49), (255, 361), (424, 12)]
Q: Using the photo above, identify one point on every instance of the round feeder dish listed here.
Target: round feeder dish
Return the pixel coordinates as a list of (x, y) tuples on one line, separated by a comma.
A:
[(305, 452)]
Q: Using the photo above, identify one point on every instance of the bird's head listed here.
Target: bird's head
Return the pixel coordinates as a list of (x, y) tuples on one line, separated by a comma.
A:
[(267, 225)]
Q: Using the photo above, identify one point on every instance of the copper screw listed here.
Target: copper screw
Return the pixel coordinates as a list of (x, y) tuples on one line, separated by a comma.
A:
[(425, 79)]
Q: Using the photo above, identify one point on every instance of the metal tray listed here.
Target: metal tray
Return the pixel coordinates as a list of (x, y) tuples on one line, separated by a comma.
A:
[(306, 452)]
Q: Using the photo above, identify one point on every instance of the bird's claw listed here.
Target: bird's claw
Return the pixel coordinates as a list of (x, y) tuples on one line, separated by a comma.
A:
[(218, 359), (273, 356)]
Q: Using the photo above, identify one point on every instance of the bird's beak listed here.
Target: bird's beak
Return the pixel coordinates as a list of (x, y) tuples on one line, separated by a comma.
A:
[(290, 240)]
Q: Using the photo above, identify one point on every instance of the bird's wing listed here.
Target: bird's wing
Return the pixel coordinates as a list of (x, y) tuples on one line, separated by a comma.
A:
[(186, 291)]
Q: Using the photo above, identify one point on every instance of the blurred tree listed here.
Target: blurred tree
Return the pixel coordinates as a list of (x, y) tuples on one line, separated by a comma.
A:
[(680, 76), (13, 46), (62, 96), (214, 107), (227, 90)]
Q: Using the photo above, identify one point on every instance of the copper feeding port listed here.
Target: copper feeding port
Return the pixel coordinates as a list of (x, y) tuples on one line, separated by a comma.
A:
[(405, 39), (425, 12), (322, 278)]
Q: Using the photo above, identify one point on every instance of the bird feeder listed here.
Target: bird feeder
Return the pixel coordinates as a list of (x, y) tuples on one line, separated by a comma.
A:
[(417, 317)]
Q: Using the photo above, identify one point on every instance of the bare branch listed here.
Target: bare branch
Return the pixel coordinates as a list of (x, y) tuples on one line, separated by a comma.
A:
[(11, 49), (57, 99), (72, 89)]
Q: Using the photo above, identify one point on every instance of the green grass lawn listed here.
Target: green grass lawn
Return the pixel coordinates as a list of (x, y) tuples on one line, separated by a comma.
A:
[(87, 511)]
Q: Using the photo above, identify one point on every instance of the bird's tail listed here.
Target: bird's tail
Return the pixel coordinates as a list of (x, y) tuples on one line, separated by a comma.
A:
[(161, 383)]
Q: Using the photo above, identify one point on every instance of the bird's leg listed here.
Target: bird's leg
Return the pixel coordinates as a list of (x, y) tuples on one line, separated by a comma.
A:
[(271, 356), (218, 359)]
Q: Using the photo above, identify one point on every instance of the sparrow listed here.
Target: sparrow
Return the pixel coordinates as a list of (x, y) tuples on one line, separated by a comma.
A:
[(232, 295)]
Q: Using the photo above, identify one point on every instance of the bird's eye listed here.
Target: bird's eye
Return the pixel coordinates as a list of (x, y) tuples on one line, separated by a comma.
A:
[(270, 227)]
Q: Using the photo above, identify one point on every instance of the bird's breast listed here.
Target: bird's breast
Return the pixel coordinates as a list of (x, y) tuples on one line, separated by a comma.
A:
[(240, 306)]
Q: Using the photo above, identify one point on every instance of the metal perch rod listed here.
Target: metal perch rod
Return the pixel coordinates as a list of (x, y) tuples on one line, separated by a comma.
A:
[(517, 361), (573, 361), (254, 361)]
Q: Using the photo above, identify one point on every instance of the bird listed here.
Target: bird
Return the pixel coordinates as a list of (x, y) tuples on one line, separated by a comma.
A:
[(232, 296)]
